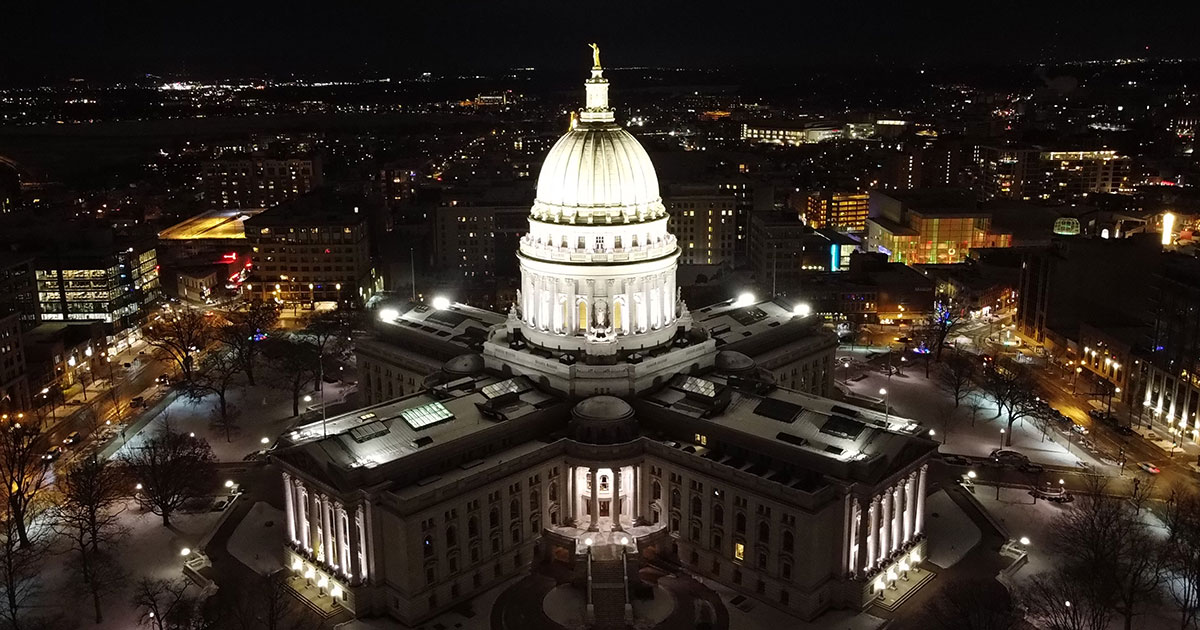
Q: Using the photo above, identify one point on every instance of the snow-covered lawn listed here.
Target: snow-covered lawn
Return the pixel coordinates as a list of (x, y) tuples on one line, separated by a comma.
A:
[(950, 531)]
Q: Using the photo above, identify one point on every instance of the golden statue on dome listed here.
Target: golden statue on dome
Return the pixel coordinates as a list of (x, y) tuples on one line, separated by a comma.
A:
[(595, 55)]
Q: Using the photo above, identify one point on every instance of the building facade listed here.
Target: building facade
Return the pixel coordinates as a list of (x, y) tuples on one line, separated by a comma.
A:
[(258, 181), (115, 285), (929, 226), (704, 218), (602, 424), (314, 248), (841, 211)]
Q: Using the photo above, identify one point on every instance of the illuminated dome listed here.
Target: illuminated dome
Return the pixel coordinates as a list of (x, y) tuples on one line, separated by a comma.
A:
[(597, 172)]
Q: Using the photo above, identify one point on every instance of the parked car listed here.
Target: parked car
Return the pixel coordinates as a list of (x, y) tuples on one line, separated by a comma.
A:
[(1124, 430), (1150, 468), (1009, 458), (163, 379), (1031, 467), (956, 460), (71, 439), (1080, 429), (137, 401), (54, 453)]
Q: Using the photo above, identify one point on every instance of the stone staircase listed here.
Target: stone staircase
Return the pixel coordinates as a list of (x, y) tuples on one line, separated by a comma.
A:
[(608, 594)]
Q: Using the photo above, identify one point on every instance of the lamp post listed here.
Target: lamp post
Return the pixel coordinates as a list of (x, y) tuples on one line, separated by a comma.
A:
[(1002, 439), (1075, 380), (887, 404)]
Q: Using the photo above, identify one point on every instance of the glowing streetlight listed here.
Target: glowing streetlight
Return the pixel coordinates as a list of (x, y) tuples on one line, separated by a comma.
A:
[(265, 440), (228, 483), (744, 299), (185, 552), (802, 310), (441, 302), (971, 474), (1024, 541), (388, 315)]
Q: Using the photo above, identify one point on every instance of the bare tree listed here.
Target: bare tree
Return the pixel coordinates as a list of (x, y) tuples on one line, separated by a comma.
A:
[(956, 376), (295, 362), (973, 604), (159, 602), (218, 372), (21, 566), (1104, 542), (246, 328), (225, 417), (22, 473), (86, 517), (946, 416), (172, 468), (179, 337), (1001, 383), (1182, 549), (1057, 600)]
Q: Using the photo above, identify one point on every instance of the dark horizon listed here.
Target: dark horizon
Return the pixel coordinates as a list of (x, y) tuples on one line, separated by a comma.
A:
[(56, 41)]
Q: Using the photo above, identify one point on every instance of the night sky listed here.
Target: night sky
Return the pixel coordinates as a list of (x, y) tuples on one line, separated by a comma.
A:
[(115, 39)]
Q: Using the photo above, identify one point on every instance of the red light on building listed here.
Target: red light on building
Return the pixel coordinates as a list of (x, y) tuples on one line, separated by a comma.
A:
[(230, 257)]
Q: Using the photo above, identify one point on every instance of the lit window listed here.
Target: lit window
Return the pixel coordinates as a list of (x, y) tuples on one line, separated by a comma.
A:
[(739, 551)]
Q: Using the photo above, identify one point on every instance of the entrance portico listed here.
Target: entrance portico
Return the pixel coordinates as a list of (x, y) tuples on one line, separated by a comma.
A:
[(604, 498)]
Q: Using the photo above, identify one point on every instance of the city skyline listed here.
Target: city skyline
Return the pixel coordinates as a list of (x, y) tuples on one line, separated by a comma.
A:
[(261, 38)]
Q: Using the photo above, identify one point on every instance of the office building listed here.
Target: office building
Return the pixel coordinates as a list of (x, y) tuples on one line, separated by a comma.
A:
[(1036, 174), (704, 219), (844, 211), (603, 423), (314, 248), (258, 180), (107, 281)]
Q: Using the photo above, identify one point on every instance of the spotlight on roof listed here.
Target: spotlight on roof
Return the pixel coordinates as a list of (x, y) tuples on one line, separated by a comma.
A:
[(802, 310), (441, 302), (744, 299), (388, 315)]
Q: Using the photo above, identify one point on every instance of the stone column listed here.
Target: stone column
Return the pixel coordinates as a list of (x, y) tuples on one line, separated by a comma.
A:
[(356, 547), (861, 528), (289, 506), (343, 543), (327, 548), (920, 517), (636, 510), (885, 526), (594, 500), (313, 508), (570, 489), (873, 535), (897, 516), (910, 484), (616, 499)]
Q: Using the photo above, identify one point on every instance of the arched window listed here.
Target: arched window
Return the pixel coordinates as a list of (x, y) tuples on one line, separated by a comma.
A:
[(739, 523), (789, 541), (533, 500), (514, 508), (428, 547), (516, 534), (697, 506), (603, 483), (553, 491), (676, 498), (656, 490), (473, 527), (494, 518), (451, 536), (764, 533), (718, 515)]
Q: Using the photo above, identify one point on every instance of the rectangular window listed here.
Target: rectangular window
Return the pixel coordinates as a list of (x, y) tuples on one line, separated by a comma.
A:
[(739, 551)]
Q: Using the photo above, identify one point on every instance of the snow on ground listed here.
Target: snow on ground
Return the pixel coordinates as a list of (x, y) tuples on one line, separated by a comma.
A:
[(1017, 511), (763, 616), (150, 550), (266, 412), (950, 531), (911, 395), (255, 541)]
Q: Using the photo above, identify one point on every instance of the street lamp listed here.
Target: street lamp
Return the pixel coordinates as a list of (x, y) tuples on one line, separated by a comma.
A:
[(1001, 439), (887, 403)]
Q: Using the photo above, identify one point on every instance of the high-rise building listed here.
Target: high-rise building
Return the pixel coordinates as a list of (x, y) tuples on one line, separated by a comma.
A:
[(314, 248), (704, 219), (18, 291), (844, 211), (114, 283), (259, 181), (603, 422), (14, 383), (1033, 173)]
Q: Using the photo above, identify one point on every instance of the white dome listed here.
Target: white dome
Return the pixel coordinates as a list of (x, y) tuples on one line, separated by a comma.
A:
[(597, 171)]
